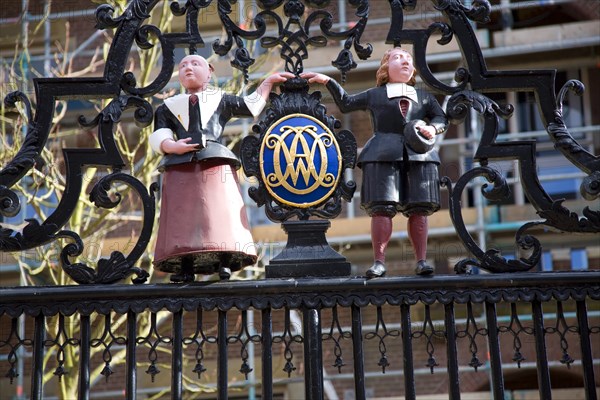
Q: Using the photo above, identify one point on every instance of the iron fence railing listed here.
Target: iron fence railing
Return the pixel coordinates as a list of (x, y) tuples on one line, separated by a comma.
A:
[(306, 329)]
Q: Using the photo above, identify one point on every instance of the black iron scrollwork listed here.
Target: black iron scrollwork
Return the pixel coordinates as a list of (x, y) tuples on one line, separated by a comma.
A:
[(562, 219), (242, 59), (337, 338), (9, 203), (17, 167), (564, 141), (32, 235), (381, 333), (36, 233), (11, 346), (29, 151), (48, 90), (471, 332), (590, 187), (287, 339), (541, 83), (138, 9), (557, 216), (344, 61), (490, 260), (117, 267), (191, 39), (293, 36)]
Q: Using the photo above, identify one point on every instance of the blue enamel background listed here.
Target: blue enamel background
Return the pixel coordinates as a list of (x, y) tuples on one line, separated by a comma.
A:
[(320, 193)]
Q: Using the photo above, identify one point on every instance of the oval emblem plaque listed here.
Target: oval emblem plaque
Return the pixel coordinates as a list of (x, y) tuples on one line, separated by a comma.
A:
[(300, 161)]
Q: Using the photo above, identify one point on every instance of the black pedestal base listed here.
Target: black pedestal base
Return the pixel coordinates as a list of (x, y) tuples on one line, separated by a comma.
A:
[(307, 253)]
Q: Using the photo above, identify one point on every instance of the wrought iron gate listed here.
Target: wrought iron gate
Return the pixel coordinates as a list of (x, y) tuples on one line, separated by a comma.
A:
[(300, 26)]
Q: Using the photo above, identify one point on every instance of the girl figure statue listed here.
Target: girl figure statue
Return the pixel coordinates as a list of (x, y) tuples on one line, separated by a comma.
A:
[(400, 169), (203, 227)]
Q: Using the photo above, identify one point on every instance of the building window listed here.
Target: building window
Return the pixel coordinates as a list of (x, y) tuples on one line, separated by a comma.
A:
[(546, 262), (579, 259)]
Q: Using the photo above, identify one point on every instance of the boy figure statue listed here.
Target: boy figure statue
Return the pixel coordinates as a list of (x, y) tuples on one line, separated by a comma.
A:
[(400, 169), (203, 227)]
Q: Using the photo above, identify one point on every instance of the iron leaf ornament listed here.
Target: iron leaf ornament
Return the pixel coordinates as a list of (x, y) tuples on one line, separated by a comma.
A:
[(293, 33)]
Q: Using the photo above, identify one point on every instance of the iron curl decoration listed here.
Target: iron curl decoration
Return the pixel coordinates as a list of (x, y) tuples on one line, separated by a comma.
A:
[(137, 10), (344, 61), (48, 90), (570, 148), (190, 38), (460, 103), (11, 99), (478, 12), (32, 235), (560, 218), (9, 203), (142, 38), (458, 25), (562, 138), (490, 260), (590, 187), (25, 158), (109, 270), (114, 110), (118, 266), (557, 216), (242, 59)]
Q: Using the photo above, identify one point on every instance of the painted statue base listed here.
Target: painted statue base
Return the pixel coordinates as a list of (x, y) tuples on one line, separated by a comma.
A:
[(184, 268), (307, 253)]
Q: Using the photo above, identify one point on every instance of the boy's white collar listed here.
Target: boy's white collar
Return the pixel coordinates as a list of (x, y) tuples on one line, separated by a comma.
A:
[(401, 90)]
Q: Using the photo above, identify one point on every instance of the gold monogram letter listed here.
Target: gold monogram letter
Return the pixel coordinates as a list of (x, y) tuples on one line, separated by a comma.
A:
[(299, 159)]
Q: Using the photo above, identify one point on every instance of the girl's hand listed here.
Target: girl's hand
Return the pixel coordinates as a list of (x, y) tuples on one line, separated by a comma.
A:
[(181, 146), (267, 85), (278, 78)]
